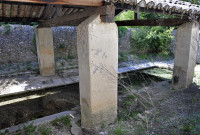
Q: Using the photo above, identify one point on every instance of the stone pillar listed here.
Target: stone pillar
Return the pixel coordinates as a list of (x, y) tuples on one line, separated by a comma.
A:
[(198, 55), (45, 51), (185, 55), (98, 70)]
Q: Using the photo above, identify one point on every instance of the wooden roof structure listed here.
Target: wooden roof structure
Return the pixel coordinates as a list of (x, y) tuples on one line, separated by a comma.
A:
[(72, 12), (168, 6)]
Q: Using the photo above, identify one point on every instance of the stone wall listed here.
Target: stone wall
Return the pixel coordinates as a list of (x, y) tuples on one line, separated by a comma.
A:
[(17, 45)]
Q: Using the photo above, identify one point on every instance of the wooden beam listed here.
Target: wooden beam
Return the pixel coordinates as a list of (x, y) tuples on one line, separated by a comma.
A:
[(118, 12), (156, 22), (66, 20), (61, 2), (18, 20), (107, 14)]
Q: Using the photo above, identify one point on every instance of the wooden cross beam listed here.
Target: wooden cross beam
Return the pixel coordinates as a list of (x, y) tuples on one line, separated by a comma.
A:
[(60, 2), (156, 22), (107, 14)]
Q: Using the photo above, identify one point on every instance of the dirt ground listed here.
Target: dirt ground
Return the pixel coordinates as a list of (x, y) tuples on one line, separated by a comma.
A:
[(147, 106)]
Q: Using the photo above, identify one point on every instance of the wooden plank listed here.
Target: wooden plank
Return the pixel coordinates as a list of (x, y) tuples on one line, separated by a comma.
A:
[(21, 10), (69, 11), (17, 19), (107, 14), (27, 11), (75, 10), (66, 20), (40, 12), (48, 12), (3, 10), (156, 22), (0, 9), (34, 11), (64, 10), (62, 2), (8, 8), (58, 11), (14, 11)]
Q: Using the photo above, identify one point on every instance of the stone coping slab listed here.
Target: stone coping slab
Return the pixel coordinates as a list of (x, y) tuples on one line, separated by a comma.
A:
[(25, 83), (39, 121)]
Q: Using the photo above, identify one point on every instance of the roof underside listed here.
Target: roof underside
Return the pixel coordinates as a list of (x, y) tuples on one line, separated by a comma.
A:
[(168, 6), (38, 10)]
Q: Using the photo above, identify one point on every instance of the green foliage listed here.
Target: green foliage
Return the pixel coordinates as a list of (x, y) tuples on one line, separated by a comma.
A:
[(191, 126), (45, 131), (34, 49), (140, 130), (30, 130), (120, 130), (128, 104), (132, 97), (152, 40), (193, 1), (134, 114), (6, 132), (143, 56), (63, 119), (123, 57), (127, 15), (122, 31), (61, 46), (7, 29), (154, 16)]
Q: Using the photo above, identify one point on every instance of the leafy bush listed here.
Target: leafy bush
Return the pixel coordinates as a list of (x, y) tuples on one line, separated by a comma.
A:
[(122, 31), (7, 29), (122, 57), (126, 15), (152, 40), (34, 49)]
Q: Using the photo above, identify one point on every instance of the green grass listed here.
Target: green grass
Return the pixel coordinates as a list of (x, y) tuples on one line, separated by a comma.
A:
[(191, 125), (119, 131), (123, 57), (45, 131), (63, 119)]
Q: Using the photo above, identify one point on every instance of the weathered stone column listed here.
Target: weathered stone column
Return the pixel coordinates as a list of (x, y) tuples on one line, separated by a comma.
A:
[(198, 54), (185, 55), (98, 71), (45, 51)]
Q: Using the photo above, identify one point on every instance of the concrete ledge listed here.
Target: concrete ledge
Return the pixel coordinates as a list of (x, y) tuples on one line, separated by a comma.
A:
[(18, 85), (39, 121), (22, 84), (161, 64)]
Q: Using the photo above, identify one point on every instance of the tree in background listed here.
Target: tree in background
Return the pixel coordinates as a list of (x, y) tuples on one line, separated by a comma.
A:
[(148, 40)]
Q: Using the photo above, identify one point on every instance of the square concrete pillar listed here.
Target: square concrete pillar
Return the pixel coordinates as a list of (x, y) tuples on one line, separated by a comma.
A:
[(185, 55), (45, 51), (98, 70)]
